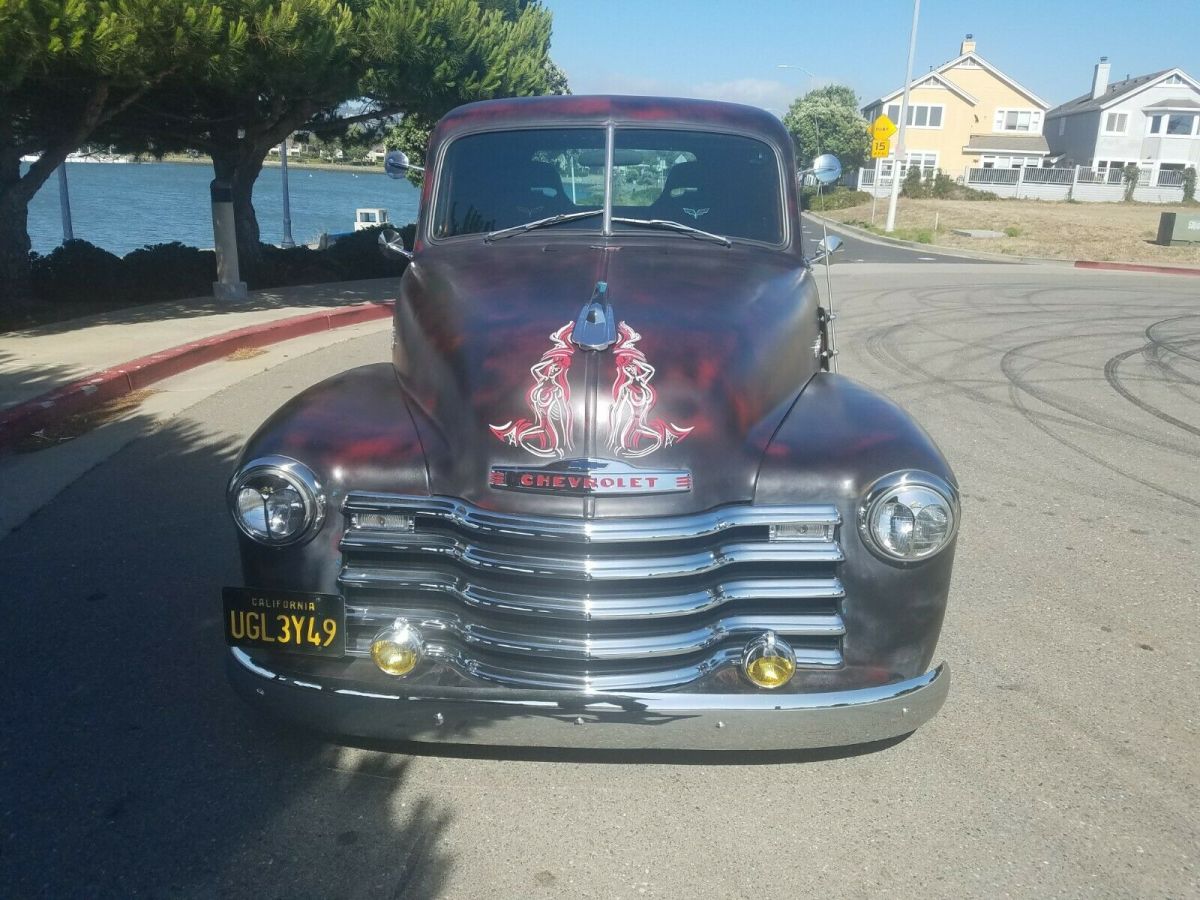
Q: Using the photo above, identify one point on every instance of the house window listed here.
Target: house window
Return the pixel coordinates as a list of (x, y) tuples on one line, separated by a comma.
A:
[(927, 160), (920, 115), (1062, 126), (1174, 79), (1027, 120), (1116, 123), (1173, 124)]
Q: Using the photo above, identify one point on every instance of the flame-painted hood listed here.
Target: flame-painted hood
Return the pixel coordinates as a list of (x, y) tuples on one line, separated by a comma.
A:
[(711, 347)]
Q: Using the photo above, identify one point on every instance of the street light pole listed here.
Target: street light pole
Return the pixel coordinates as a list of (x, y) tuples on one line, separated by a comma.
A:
[(287, 202), (64, 203), (903, 123), (811, 77)]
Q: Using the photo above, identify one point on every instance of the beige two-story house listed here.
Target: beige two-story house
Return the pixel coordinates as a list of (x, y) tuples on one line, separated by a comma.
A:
[(966, 113)]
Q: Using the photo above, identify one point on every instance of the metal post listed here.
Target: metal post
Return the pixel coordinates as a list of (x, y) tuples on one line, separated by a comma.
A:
[(228, 285), (912, 49), (287, 203), (64, 203), (874, 191)]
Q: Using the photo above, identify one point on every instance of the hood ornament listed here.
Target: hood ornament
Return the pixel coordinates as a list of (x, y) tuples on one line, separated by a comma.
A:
[(596, 328)]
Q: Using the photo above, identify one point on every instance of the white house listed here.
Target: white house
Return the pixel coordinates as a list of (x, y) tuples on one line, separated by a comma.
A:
[(1152, 120)]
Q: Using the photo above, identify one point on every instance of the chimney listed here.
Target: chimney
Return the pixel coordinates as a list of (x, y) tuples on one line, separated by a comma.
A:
[(1100, 79), (968, 45)]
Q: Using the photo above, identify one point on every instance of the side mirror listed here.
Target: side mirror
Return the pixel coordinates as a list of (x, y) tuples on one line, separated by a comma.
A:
[(396, 163), (827, 247), (391, 245), (826, 168)]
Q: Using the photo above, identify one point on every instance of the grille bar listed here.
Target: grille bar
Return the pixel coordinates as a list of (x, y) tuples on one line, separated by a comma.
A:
[(589, 568), (586, 607), (469, 519), (595, 647), (607, 604)]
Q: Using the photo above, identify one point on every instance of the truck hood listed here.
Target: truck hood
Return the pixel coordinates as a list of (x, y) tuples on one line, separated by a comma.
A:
[(712, 346)]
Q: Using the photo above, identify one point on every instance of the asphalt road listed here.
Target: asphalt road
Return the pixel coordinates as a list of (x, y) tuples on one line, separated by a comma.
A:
[(857, 250), (1065, 764)]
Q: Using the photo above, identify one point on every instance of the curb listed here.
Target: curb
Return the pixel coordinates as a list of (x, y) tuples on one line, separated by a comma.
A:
[(86, 393), (872, 238), (1136, 267)]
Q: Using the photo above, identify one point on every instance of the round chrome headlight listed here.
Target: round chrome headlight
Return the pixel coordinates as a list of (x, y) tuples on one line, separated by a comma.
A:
[(908, 516), (276, 501)]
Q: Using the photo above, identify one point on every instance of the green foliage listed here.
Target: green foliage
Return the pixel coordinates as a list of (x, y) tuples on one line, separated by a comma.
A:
[(1012, 231), (326, 66), (1130, 176), (168, 271), (838, 198), (79, 273), (76, 269), (827, 120), (912, 185), (1189, 184)]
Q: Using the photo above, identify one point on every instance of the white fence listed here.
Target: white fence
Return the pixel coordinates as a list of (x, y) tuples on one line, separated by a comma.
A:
[(1076, 183)]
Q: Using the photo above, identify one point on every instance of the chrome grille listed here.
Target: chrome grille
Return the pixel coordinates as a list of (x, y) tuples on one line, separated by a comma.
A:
[(607, 604)]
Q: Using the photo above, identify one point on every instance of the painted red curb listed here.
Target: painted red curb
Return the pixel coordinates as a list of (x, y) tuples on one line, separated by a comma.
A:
[(23, 419), (1136, 267)]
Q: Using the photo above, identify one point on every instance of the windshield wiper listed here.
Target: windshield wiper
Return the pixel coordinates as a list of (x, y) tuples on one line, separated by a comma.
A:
[(675, 226), (540, 223)]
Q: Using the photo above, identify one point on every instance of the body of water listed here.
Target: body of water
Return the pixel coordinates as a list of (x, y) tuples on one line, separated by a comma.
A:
[(123, 207)]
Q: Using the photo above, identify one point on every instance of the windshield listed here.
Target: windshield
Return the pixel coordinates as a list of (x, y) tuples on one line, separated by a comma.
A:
[(720, 183), (501, 179)]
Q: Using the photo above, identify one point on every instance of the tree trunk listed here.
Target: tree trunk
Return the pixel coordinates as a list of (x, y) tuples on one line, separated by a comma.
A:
[(16, 288), (234, 165)]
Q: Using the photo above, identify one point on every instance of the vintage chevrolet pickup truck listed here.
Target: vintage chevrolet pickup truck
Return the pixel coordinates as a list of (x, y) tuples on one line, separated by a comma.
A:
[(610, 490)]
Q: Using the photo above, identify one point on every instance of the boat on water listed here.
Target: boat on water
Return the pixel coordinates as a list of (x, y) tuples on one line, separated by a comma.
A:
[(31, 157)]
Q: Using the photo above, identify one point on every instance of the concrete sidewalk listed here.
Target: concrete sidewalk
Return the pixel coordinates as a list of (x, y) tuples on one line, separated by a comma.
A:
[(56, 370)]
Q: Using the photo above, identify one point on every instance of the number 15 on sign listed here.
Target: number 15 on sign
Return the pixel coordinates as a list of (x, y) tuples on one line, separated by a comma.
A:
[(879, 149)]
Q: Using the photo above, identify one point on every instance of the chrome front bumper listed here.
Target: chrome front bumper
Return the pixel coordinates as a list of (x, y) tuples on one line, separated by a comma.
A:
[(557, 718)]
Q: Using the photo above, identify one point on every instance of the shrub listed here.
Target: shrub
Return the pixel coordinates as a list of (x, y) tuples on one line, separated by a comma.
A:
[(838, 198), (168, 272), (357, 256), (1130, 175), (1189, 184), (1012, 231), (912, 185), (923, 236), (77, 271)]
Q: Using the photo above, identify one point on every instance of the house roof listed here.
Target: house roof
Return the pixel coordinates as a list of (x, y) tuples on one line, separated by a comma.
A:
[(1024, 143), (1179, 103), (940, 71), (917, 82), (1116, 90)]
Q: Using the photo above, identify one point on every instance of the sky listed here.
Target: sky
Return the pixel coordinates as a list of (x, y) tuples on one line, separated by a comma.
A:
[(732, 49)]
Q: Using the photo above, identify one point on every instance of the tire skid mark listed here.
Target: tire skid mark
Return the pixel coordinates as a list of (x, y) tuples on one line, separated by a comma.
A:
[(940, 313)]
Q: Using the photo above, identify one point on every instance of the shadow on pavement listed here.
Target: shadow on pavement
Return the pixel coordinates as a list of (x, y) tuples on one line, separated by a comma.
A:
[(19, 380), (338, 292), (129, 767), (575, 756)]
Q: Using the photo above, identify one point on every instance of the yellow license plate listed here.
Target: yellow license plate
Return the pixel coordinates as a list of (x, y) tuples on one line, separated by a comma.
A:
[(285, 620)]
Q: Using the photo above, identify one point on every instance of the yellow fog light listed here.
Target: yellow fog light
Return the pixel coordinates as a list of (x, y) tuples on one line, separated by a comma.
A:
[(769, 662), (398, 649)]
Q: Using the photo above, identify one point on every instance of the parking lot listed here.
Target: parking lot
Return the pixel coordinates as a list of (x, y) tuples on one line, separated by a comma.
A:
[(1066, 762)]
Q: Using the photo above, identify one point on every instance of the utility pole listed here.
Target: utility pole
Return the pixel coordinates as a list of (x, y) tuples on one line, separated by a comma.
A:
[(903, 123), (287, 202), (64, 203)]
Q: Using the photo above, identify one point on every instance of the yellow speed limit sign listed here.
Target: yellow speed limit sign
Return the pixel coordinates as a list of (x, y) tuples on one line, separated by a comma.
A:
[(882, 130)]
